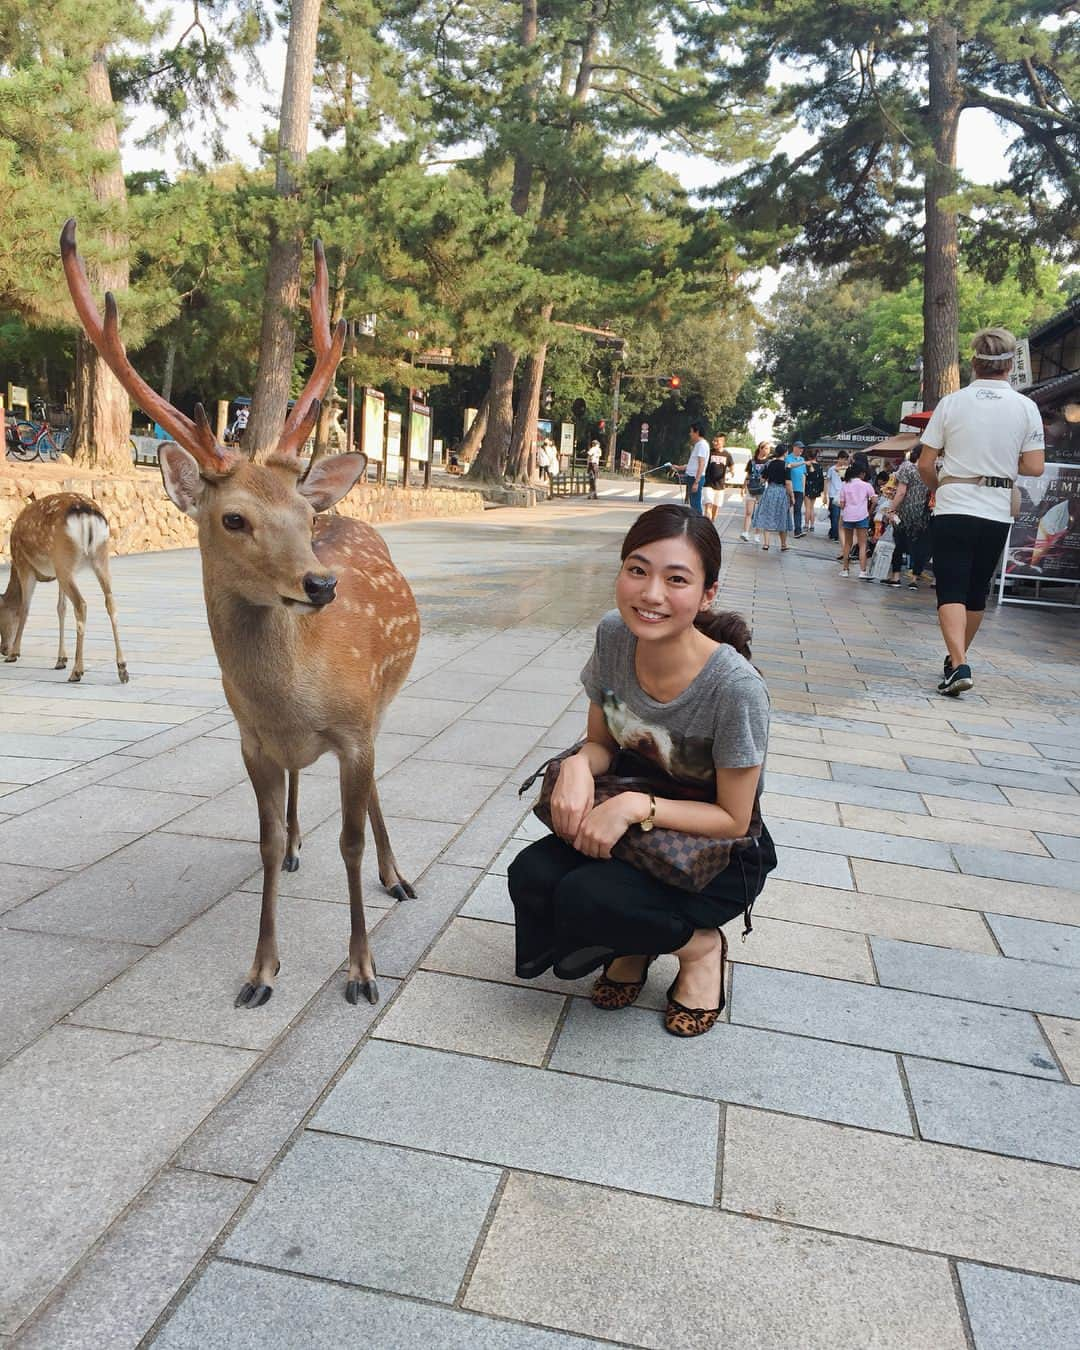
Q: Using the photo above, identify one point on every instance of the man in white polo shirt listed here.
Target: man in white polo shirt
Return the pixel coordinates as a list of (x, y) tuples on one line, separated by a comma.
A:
[(695, 466), (985, 435)]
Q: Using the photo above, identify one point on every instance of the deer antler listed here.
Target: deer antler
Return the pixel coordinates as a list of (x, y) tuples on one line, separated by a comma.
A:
[(328, 349), (196, 437)]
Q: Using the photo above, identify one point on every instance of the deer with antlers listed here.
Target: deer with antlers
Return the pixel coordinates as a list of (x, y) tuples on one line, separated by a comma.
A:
[(50, 541), (314, 627)]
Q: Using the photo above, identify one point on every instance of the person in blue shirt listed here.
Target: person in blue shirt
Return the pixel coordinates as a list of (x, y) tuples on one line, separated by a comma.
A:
[(795, 462)]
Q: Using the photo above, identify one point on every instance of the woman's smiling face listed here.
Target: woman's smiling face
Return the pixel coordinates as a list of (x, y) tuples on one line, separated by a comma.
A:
[(661, 588)]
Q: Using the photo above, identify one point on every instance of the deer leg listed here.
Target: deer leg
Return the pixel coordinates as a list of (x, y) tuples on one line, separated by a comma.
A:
[(357, 777), (28, 581), (101, 571), (61, 615), (293, 845), (78, 604), (268, 780), (389, 875)]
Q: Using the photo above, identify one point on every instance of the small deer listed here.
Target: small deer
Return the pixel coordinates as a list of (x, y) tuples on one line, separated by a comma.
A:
[(314, 627), (51, 540)]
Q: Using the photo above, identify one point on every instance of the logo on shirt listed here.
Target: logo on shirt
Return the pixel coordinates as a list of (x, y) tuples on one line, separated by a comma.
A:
[(988, 393)]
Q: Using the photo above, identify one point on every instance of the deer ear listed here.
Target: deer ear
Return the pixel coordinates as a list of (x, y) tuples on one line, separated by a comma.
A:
[(328, 480), (183, 481)]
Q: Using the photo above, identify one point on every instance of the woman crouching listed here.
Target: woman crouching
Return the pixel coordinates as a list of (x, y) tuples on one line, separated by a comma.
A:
[(671, 691)]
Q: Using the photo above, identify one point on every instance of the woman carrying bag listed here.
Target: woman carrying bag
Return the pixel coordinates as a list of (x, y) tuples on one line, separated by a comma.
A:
[(910, 518), (674, 705)]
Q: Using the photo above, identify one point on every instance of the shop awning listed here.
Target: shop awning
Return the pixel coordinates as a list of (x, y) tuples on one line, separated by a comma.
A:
[(895, 447)]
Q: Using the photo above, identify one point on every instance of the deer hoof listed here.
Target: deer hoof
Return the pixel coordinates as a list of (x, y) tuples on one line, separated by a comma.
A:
[(368, 988), (61, 664), (75, 677), (8, 659), (291, 863), (253, 995), (401, 890), (122, 671)]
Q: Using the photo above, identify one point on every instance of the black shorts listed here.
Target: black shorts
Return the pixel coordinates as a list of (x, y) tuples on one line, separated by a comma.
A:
[(966, 551)]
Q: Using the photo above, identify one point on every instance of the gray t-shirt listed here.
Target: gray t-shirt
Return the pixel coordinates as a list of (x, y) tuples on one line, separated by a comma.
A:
[(719, 721)]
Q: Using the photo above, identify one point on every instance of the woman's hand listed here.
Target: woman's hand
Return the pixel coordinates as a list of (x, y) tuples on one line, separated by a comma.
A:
[(572, 799), (606, 824)]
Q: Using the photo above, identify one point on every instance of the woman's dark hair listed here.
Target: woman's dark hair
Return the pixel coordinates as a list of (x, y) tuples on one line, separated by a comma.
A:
[(779, 451), (669, 521), (855, 471), (916, 451)]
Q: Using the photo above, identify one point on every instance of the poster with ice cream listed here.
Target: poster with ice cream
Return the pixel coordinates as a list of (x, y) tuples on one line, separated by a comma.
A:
[(1044, 542)]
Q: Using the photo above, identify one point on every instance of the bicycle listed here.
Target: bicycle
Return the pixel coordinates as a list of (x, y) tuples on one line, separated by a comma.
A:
[(33, 440)]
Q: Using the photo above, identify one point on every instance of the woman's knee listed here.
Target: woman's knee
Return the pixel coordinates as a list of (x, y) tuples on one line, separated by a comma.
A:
[(539, 867)]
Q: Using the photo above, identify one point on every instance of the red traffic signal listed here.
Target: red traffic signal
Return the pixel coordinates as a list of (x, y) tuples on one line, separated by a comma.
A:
[(669, 381)]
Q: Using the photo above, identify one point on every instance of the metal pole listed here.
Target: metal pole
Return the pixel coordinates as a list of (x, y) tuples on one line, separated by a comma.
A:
[(614, 418), (641, 488)]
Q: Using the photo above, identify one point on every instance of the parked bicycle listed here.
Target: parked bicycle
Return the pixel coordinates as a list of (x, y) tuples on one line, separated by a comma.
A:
[(34, 440)]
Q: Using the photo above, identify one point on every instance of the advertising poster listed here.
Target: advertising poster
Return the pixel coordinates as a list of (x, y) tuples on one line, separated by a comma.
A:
[(419, 433), (373, 410), (1044, 542), (393, 447)]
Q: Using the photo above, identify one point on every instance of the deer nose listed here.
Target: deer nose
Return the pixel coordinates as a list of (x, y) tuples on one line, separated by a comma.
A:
[(319, 590)]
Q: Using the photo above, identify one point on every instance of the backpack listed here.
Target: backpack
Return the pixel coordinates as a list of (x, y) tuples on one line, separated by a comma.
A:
[(755, 483), (815, 480)]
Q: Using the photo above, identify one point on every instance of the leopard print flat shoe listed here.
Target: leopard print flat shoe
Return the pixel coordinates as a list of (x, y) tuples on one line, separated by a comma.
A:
[(612, 994), (680, 1020)]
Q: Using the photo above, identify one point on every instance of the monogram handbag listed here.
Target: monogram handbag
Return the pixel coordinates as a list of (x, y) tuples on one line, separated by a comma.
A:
[(688, 861)]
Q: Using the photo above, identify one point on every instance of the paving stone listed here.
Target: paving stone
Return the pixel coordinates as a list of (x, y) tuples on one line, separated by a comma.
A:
[(812, 868), (1043, 801), (836, 839), (500, 865), (116, 1295), (420, 716), (489, 830), (646, 1272), (201, 767), (543, 680), (18, 884), (999, 759), (775, 805), (454, 687), (996, 1112), (410, 927), (796, 785), (737, 1064), (889, 1019), (1010, 1311), (514, 1116), (981, 979), (1062, 846), (382, 1232), (144, 892), (436, 791), (72, 746), (25, 799), (905, 1191), (1053, 904), (489, 900), (476, 1017), (519, 708), (497, 744), (1029, 940), (1064, 1035), (243, 1135), (990, 862), (42, 977), (89, 1117), (186, 987), (260, 1303), (24, 769), (958, 785), (908, 920), (945, 831), (796, 946), (234, 814)]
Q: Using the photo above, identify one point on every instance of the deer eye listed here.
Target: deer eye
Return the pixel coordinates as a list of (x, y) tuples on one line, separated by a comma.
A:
[(232, 521)]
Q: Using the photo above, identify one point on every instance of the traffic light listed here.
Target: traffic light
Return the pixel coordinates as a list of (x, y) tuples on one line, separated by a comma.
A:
[(603, 425), (547, 397), (669, 381)]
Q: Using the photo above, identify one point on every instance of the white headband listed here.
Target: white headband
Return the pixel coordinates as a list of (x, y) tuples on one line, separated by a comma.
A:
[(1002, 356)]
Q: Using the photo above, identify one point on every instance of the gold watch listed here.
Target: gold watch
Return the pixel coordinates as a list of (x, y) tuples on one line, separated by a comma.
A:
[(650, 819)]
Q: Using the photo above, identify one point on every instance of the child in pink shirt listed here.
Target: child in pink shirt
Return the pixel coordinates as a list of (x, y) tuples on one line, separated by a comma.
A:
[(857, 499)]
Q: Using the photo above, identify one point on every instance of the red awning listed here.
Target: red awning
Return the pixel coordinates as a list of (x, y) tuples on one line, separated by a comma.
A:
[(916, 419)]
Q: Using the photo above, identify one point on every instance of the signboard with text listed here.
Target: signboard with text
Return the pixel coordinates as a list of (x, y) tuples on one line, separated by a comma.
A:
[(393, 447), (644, 433), (372, 417), (1044, 541), (419, 433)]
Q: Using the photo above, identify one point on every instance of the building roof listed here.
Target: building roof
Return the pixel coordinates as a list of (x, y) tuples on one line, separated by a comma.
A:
[(1063, 320), (901, 444), (858, 438), (1047, 391)]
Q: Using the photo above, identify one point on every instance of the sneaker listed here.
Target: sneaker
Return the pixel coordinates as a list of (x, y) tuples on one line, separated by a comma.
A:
[(913, 584), (865, 576), (757, 538), (801, 534), (885, 581), (946, 669), (844, 572), (744, 536), (957, 681)]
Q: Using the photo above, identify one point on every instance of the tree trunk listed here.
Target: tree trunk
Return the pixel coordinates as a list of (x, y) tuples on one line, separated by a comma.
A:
[(489, 464), (170, 368), (102, 422), (941, 308), (277, 337), (471, 440), (521, 461)]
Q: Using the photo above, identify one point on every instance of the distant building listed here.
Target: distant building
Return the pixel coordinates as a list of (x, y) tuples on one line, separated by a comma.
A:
[(1051, 352)]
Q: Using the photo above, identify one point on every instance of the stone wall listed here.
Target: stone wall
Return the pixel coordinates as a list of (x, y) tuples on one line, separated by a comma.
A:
[(143, 520)]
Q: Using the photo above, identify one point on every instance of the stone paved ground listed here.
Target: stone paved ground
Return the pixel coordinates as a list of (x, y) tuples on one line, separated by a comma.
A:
[(879, 1147)]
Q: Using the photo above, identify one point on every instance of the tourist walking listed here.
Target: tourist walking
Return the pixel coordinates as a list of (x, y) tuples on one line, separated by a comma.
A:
[(813, 488), (986, 435), (834, 482), (672, 697), (772, 515), (753, 487), (592, 466), (857, 500), (694, 468), (910, 522), (716, 472), (797, 464)]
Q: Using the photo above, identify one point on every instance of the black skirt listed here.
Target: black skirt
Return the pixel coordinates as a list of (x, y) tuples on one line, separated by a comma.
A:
[(574, 913)]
